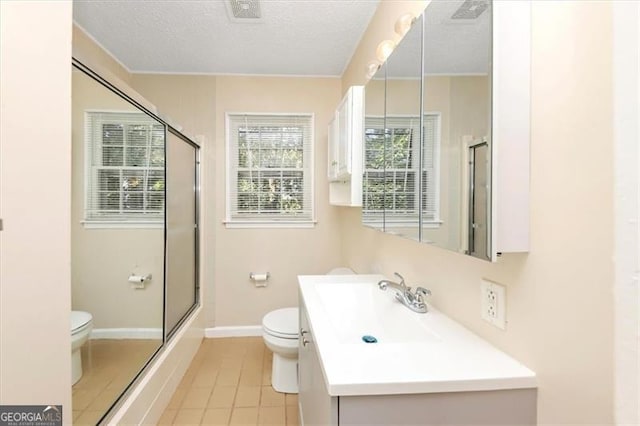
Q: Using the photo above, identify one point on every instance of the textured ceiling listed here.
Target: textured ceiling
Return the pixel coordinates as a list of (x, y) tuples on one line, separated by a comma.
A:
[(294, 37), (451, 47)]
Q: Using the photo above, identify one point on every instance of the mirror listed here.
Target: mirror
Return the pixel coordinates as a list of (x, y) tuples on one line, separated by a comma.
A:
[(118, 193), (437, 121), (392, 141), (457, 105), (403, 135), (373, 182)]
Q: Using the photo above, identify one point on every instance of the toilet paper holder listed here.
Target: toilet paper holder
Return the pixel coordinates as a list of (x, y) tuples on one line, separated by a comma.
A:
[(139, 281), (259, 278)]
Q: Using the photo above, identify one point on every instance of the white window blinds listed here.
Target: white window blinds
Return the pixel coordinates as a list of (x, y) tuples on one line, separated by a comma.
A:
[(125, 167), (269, 168), (431, 169), (391, 180)]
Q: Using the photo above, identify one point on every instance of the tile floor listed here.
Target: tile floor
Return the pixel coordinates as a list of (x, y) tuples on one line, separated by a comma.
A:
[(229, 383), (108, 367)]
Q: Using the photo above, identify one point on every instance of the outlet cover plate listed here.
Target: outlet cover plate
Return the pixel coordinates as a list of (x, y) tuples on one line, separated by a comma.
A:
[(493, 303)]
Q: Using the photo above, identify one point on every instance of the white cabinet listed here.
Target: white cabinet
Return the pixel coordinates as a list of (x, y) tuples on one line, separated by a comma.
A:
[(511, 126), (332, 156), (346, 136), (316, 406)]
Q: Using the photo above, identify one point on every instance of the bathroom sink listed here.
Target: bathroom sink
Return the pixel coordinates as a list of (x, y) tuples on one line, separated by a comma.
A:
[(412, 353), (357, 309)]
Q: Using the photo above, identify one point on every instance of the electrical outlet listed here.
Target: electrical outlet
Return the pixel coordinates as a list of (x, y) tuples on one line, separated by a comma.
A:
[(493, 303)]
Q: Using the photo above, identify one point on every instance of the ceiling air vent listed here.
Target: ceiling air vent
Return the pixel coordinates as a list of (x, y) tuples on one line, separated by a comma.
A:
[(470, 9), (244, 10)]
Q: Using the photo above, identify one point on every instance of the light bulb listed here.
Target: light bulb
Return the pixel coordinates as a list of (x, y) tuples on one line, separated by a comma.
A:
[(403, 24), (384, 50), (372, 68)]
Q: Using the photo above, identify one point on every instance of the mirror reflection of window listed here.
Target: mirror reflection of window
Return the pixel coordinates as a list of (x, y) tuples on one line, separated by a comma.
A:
[(117, 230), (391, 170), (416, 179), (431, 171), (125, 171)]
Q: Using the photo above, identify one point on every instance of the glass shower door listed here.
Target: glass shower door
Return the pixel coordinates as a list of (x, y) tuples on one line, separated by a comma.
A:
[(181, 288)]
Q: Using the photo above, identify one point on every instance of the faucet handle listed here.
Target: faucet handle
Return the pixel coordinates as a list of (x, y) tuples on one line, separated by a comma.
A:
[(401, 279), (421, 292)]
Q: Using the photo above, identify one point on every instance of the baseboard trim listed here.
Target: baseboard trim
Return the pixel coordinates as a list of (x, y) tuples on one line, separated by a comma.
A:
[(233, 331), (126, 333)]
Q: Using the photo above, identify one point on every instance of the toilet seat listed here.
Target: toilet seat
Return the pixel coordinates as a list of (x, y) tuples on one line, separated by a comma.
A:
[(282, 323), (79, 321)]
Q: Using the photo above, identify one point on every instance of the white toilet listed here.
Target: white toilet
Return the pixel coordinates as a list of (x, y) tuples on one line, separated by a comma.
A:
[(280, 331), (81, 325)]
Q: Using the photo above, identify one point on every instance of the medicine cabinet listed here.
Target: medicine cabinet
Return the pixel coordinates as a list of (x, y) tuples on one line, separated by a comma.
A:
[(446, 147)]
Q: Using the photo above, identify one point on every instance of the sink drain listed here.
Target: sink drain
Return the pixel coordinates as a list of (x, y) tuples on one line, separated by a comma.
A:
[(369, 339)]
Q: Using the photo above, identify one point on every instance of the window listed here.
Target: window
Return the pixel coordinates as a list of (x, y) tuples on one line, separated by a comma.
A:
[(391, 181), (125, 168), (269, 170)]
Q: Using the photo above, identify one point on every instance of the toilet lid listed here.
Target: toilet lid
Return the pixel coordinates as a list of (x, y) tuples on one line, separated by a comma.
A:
[(79, 319), (282, 322), (341, 271)]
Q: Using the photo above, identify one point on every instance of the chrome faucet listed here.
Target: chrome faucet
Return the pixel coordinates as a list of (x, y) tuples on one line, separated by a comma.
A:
[(412, 300)]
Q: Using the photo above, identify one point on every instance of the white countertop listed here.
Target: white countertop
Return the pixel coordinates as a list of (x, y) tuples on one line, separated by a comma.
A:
[(415, 353)]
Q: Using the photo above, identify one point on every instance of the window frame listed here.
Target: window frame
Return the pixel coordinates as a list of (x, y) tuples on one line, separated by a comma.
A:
[(116, 220), (392, 218), (277, 220)]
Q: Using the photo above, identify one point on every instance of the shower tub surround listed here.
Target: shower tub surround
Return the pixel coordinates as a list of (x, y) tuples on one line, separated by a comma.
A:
[(422, 369)]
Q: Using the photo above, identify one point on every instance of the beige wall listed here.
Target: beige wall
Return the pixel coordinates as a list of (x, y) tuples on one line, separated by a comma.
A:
[(35, 82), (285, 253), (103, 259), (199, 103), (559, 301)]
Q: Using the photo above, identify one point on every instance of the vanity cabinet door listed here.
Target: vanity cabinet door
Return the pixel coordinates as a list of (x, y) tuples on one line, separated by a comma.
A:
[(316, 406), (345, 150), (332, 155), (345, 136)]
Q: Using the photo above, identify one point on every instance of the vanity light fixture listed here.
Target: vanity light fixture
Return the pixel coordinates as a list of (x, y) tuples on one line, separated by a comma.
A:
[(372, 68), (384, 49), (404, 23)]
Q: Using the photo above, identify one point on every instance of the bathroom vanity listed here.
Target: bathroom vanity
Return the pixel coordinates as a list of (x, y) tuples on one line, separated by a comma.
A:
[(424, 368)]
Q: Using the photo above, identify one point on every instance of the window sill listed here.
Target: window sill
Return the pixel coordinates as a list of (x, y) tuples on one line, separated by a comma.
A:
[(236, 224), (390, 223), (432, 224), (129, 224)]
